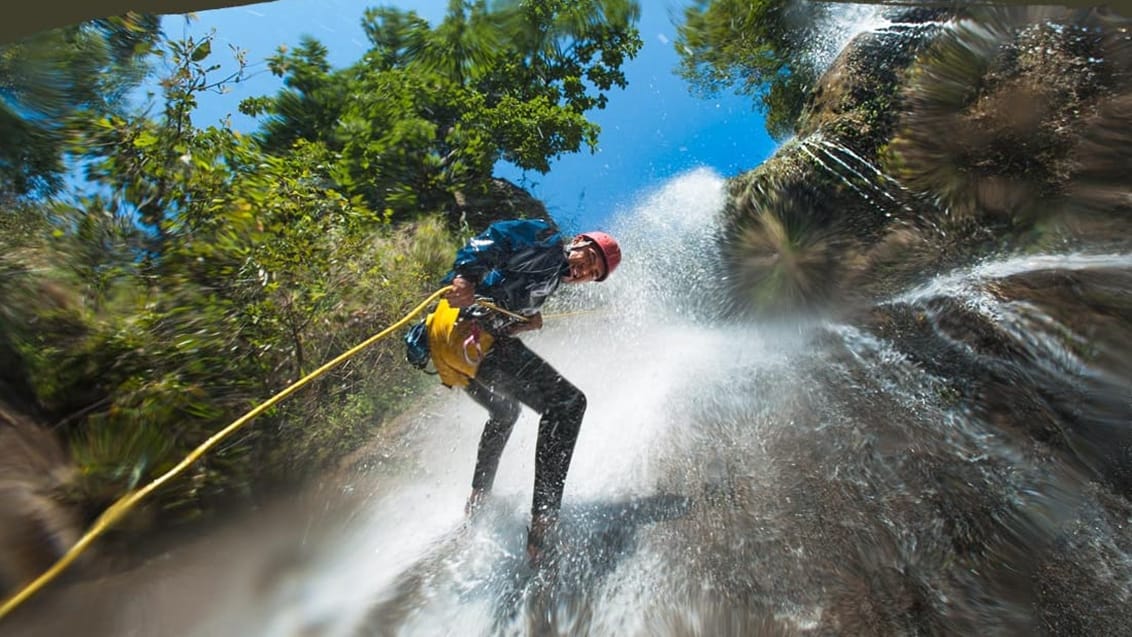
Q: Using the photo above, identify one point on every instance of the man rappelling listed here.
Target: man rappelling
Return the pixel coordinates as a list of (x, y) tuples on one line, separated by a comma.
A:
[(499, 281)]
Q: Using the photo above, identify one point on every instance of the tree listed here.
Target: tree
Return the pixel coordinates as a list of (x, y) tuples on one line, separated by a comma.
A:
[(426, 113), (202, 276), (165, 170), (309, 106), (757, 47), (52, 82)]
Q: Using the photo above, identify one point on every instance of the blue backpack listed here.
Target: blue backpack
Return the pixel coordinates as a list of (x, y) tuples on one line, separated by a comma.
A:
[(416, 346)]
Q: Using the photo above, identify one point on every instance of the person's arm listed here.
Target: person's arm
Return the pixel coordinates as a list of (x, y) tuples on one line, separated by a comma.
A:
[(482, 253), (485, 252), (533, 322)]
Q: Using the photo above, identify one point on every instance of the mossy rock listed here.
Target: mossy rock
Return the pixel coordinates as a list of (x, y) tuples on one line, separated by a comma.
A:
[(501, 200)]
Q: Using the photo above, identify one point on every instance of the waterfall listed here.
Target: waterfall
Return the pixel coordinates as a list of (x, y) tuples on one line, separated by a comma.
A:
[(844, 22), (729, 478), (951, 455)]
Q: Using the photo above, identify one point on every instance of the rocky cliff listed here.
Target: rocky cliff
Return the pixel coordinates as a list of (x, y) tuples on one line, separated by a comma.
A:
[(948, 138)]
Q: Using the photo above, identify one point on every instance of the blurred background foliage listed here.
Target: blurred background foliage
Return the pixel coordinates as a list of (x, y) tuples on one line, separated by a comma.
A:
[(757, 48), (159, 279)]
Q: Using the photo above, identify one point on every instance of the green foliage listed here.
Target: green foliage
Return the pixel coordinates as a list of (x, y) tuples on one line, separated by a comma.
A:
[(386, 275), (427, 112), (561, 48), (53, 81), (310, 105), (204, 277), (758, 48), (167, 170)]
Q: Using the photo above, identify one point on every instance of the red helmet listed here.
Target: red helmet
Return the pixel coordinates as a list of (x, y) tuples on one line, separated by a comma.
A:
[(608, 248)]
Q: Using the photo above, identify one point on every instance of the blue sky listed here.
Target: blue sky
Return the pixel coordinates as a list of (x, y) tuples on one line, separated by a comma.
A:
[(651, 131)]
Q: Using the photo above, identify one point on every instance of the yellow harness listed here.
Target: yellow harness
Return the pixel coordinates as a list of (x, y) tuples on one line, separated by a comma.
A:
[(456, 346)]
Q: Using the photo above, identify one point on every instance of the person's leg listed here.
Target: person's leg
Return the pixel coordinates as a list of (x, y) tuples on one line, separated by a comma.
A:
[(513, 369), (502, 414)]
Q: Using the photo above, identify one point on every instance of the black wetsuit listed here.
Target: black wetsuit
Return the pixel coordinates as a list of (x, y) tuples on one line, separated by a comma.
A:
[(511, 374), (518, 264)]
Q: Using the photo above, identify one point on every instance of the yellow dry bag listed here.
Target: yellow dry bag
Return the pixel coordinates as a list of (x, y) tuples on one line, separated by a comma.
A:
[(456, 346)]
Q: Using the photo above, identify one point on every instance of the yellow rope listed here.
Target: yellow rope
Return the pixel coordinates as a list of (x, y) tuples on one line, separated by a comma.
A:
[(574, 313), (115, 511), (491, 306)]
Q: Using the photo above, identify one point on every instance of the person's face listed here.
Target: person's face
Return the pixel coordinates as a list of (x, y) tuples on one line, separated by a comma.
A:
[(585, 263)]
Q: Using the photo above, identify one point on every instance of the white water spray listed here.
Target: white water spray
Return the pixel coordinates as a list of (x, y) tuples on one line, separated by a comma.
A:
[(845, 22)]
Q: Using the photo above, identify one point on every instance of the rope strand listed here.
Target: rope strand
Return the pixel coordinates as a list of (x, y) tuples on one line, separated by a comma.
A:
[(127, 502), (123, 505)]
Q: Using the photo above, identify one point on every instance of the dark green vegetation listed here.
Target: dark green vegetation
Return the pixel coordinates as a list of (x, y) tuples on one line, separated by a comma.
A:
[(53, 83), (421, 119), (194, 272)]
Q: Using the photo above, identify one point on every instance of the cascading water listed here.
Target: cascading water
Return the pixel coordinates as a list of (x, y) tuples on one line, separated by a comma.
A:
[(730, 479), (843, 21)]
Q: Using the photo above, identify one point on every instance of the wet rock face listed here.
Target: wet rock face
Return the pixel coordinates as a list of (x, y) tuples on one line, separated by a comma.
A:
[(36, 526), (929, 147), (992, 498), (998, 107), (857, 100), (784, 247), (1039, 359), (953, 462), (795, 227), (1042, 356)]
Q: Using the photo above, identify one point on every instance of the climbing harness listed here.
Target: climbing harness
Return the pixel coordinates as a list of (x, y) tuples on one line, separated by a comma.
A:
[(474, 344), (123, 505), (456, 346), (453, 343)]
